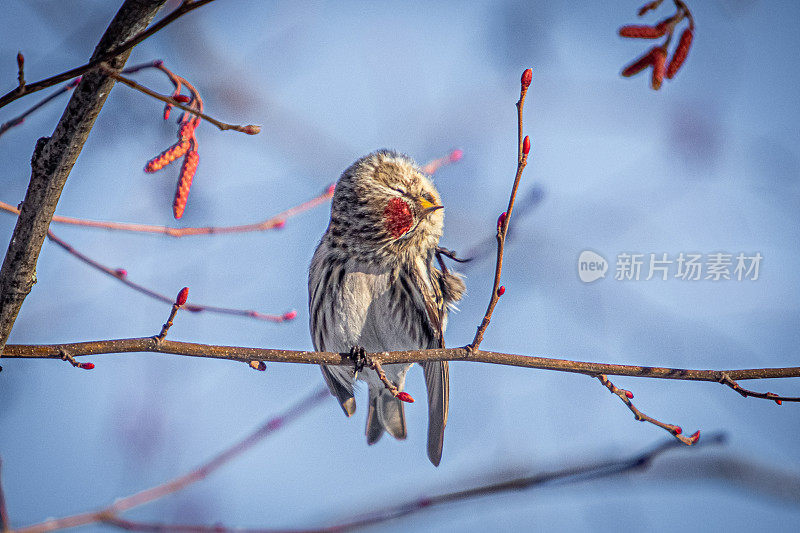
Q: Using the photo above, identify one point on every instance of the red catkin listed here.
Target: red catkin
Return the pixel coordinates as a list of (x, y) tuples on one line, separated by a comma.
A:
[(167, 156), (659, 68), (185, 183), (640, 64), (643, 32), (681, 52)]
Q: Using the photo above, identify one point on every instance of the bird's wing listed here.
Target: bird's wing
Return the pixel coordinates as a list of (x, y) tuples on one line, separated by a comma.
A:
[(437, 374)]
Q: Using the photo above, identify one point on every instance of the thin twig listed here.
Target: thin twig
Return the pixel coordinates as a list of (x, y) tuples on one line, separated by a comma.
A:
[(726, 380), (250, 129), (626, 396), (122, 276), (179, 302), (159, 491), (16, 121), (502, 226), (29, 88)]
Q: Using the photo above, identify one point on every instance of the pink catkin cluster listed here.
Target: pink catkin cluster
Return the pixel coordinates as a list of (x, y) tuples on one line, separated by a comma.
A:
[(656, 57), (186, 146)]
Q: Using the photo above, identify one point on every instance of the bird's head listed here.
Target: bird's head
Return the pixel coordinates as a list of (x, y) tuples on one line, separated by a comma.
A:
[(384, 203)]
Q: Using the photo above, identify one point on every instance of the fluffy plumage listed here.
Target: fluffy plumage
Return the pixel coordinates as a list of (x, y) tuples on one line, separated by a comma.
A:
[(373, 284)]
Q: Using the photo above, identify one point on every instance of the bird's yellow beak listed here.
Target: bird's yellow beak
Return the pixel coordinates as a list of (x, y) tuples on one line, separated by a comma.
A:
[(428, 207)]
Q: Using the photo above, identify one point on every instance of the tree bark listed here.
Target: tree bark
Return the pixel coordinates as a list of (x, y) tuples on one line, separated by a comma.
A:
[(53, 159)]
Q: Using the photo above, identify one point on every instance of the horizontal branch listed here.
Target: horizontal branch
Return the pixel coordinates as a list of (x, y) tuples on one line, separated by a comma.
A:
[(245, 354)]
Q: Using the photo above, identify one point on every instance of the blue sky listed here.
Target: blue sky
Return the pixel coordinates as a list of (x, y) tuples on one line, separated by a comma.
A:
[(708, 164)]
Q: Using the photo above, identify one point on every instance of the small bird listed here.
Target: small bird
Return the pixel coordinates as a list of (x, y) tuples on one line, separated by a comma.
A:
[(373, 287)]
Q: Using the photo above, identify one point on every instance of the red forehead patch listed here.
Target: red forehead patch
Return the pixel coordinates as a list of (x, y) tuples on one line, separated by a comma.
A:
[(397, 217)]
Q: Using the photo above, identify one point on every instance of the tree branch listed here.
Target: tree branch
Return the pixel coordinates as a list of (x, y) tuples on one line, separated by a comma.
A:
[(107, 54), (55, 156), (245, 354)]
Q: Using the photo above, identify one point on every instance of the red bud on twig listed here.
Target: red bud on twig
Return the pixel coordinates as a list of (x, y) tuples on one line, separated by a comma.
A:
[(456, 155), (526, 145), (770, 395), (86, 366), (405, 397), (695, 436), (527, 76), (291, 315), (501, 220), (678, 430), (501, 290), (258, 365), (20, 60), (280, 224), (121, 273), (251, 129), (628, 394), (183, 295), (331, 189)]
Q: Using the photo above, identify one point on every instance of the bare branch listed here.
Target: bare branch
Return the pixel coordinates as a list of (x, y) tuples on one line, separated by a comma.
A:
[(121, 275), (106, 54), (626, 395), (16, 121), (464, 353), (54, 158)]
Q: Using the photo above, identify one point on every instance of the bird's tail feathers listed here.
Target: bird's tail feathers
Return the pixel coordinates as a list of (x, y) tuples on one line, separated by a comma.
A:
[(386, 413)]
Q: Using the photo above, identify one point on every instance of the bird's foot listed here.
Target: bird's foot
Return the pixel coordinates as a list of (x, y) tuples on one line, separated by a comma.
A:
[(359, 357)]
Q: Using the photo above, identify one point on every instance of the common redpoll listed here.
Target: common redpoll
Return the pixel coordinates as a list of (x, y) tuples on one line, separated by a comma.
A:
[(373, 285)]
